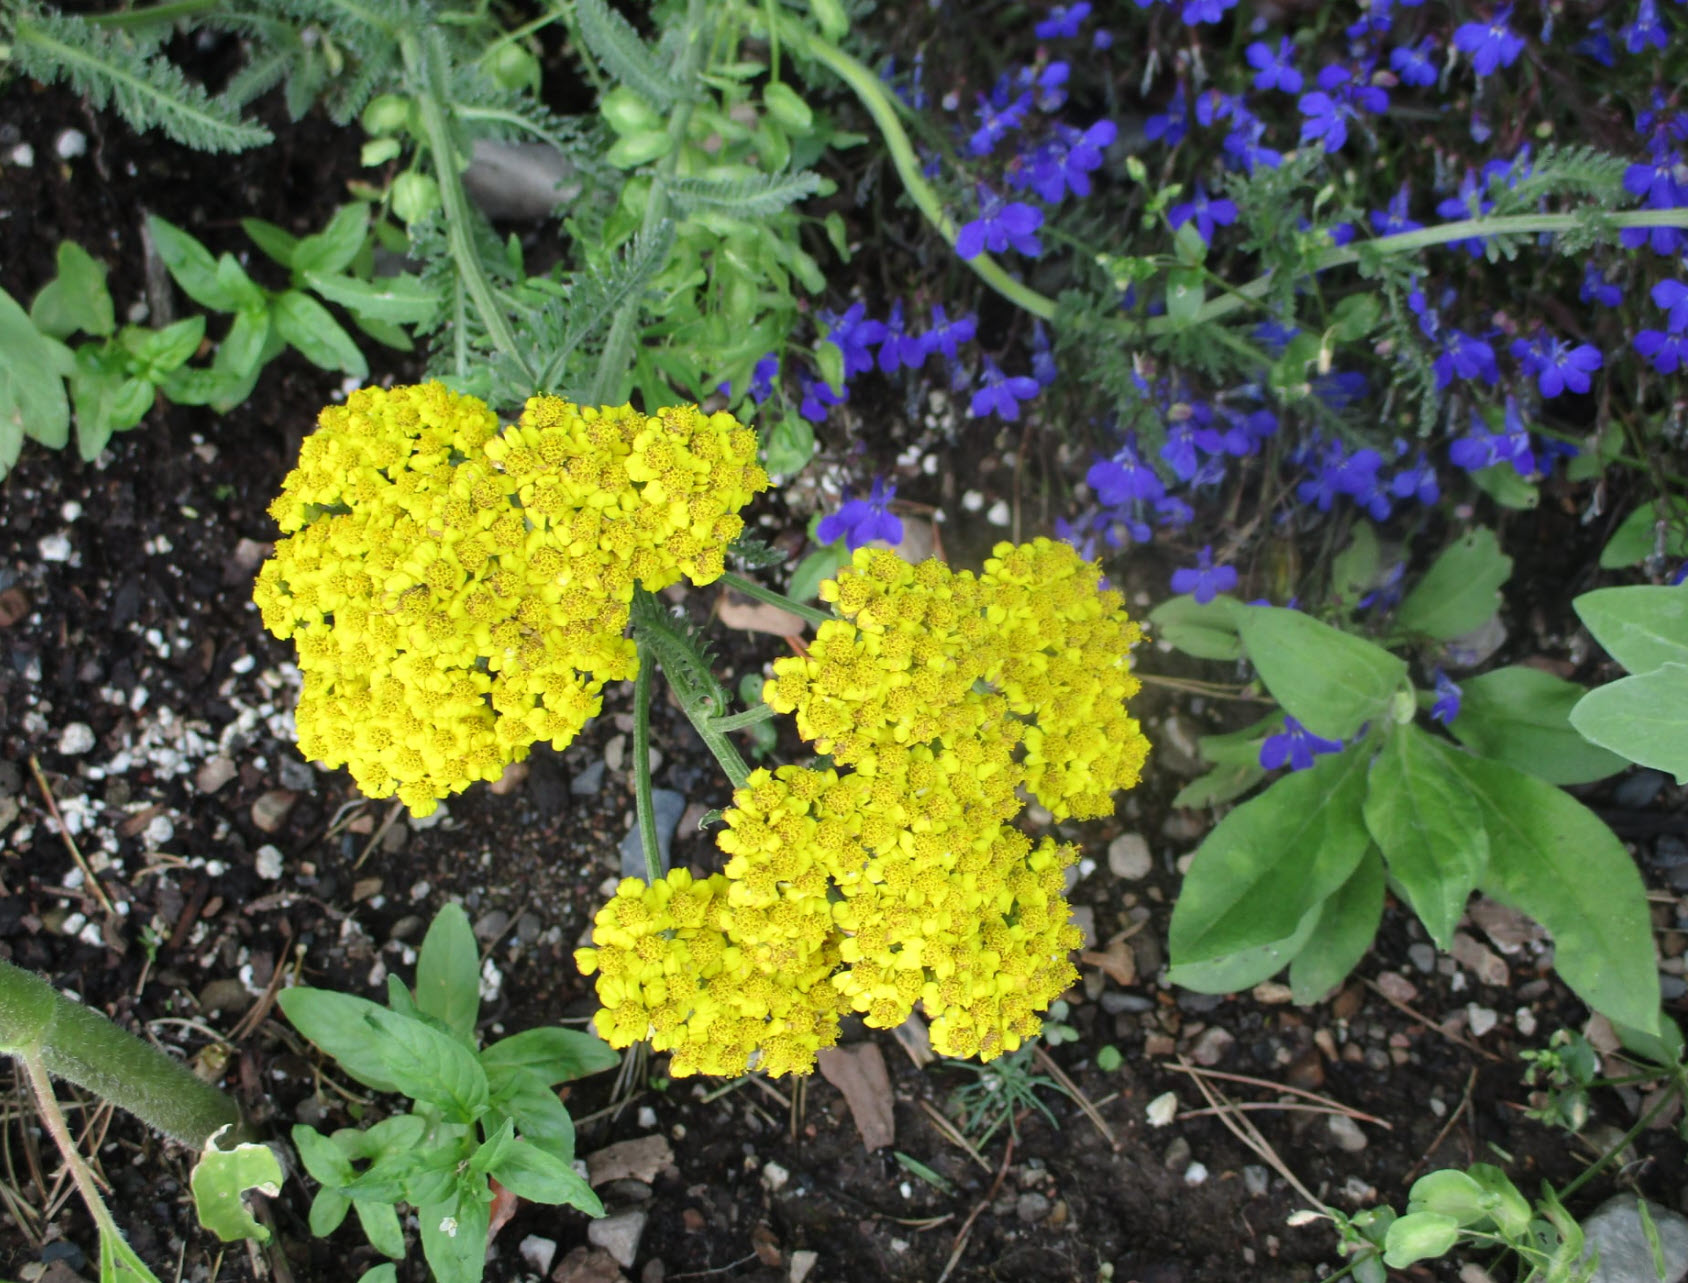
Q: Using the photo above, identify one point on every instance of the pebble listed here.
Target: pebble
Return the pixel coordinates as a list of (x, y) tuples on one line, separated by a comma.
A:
[(439, 815), (1672, 987), (1396, 986), (669, 807), (268, 862), (23, 156), (619, 1235), (76, 739), (1256, 1180), (1177, 1155), (269, 811), (214, 773), (1480, 960), (538, 1252), (1083, 916), (1346, 1133), (490, 926), (1031, 1207), (227, 996), (1525, 1020), (802, 1262), (1129, 857), (1198, 1003), (1422, 956), (588, 781), (1162, 1109), (1114, 1002), (296, 775), (1212, 1046), (55, 547), (1480, 1019), (774, 1177), (1195, 1174), (71, 144), (1616, 1231), (615, 752), (1000, 514), (1638, 790)]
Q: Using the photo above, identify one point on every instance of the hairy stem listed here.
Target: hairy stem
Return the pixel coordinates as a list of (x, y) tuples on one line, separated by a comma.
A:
[(643, 804), (80, 1045), (750, 588), (52, 1118), (430, 101), (169, 11)]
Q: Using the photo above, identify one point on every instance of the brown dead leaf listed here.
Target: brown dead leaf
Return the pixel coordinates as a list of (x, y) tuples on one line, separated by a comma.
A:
[(1118, 961), (859, 1072), (914, 1037), (504, 1205), (766, 1244), (640, 1159)]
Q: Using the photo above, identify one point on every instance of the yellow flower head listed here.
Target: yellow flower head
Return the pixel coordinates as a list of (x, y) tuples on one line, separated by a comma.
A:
[(480, 579)]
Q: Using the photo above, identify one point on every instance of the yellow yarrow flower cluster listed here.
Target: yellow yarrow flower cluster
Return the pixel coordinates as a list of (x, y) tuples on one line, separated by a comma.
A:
[(901, 880), (458, 593)]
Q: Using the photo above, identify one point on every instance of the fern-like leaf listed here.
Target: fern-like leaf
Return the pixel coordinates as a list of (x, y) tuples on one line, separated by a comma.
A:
[(755, 196), (148, 92), (614, 43), (597, 297)]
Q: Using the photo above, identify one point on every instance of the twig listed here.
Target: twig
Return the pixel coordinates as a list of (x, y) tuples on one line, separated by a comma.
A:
[(1249, 1134), (1271, 1106), (1047, 1061), (1428, 1023), (950, 1132), (719, 1269), (967, 1225), (1464, 1104), (1184, 1066), (387, 823), (70, 842)]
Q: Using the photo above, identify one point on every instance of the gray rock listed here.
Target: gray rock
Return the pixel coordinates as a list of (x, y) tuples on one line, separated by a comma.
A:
[(619, 1236), (588, 781), (1615, 1230), (1423, 956), (1212, 1046), (1031, 1207), (1129, 857), (1114, 1002), (1638, 790), (297, 776), (1177, 1156), (229, 997), (1256, 1180), (490, 926), (1346, 1133), (1672, 987), (669, 807), (519, 182), (76, 739)]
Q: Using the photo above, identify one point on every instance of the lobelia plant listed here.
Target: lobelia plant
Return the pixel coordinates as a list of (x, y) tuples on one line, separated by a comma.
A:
[(482, 1119), (48, 1035)]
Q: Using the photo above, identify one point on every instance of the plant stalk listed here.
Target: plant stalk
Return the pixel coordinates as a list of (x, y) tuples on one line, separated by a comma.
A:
[(750, 588), (644, 804)]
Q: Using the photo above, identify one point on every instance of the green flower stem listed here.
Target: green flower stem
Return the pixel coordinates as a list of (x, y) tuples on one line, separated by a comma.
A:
[(80, 1045), (52, 1118), (430, 101), (700, 696), (750, 588), (171, 11), (1679, 1088), (643, 804), (731, 761), (883, 108), (738, 721)]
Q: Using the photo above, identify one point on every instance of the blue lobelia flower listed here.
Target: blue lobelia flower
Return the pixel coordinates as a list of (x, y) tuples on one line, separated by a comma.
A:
[(818, 398), (861, 521), (1412, 63), (1672, 295), (1274, 68), (1124, 478), (1464, 356), (1064, 21), (996, 121), (899, 347), (1666, 352), (762, 377), (1393, 220), (1645, 29), (854, 333), (1597, 288), (1296, 745), (1556, 364), (1206, 581), (1492, 45), (1002, 392), (1448, 697), (945, 335), (1001, 224), (1205, 212), (1342, 94), (1171, 125)]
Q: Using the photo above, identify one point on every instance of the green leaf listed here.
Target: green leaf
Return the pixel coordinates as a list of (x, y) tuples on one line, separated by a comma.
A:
[(1185, 294), (331, 251), (1522, 716), (1643, 718), (1460, 591), (245, 293), (1502, 483), (1641, 627), (1552, 858), (1662, 1048), (191, 264), (222, 1176), (540, 1117), (830, 17), (1272, 860), (384, 1273), (75, 299), (1205, 631), (815, 569), (328, 1211), (1419, 1236), (614, 43), (161, 351), (338, 1023), (627, 113), (118, 1262), (1328, 680), (1429, 830), (448, 973), (380, 1222), (829, 360), (307, 326), (1354, 572), (788, 107), (326, 1162), (1506, 1207), (493, 1148), (106, 400), (751, 196), (541, 1178), (1346, 926), (1234, 972), (791, 445), (242, 349), (454, 1230), (1222, 784), (1636, 539), (639, 149), (277, 243), (32, 395), (1449, 1193), (1355, 317), (402, 300), (556, 1055)]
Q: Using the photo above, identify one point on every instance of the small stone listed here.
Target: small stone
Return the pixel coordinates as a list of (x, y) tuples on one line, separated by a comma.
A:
[(1346, 1005), (615, 752), (491, 925), (669, 806), (1525, 1021), (76, 739), (1396, 986), (1508, 930), (270, 811), (1162, 1109), (71, 144), (229, 997), (999, 513), (365, 889), (588, 780), (297, 775), (802, 1262), (1177, 1156), (1273, 994), (538, 1252), (1256, 1180), (23, 156), (268, 862), (54, 547), (588, 1265), (1083, 916), (1114, 1002), (1212, 1046), (421, 823), (1129, 857), (1031, 1207), (1195, 1174), (1480, 960), (1159, 1046), (1480, 1019), (1616, 1231), (774, 1177), (1422, 956), (1346, 1133), (1638, 791), (1672, 987), (214, 773), (619, 1235)]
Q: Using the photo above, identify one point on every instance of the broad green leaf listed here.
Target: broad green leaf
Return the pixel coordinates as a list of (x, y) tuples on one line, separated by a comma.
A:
[(242, 349), (245, 294), (105, 400), (1272, 860), (1643, 718), (331, 250), (1449, 1193), (326, 1162), (454, 1235), (75, 299), (380, 1222), (639, 149), (539, 1116), (385, 1273), (788, 107), (1552, 858), (448, 973), (1235, 972), (815, 569), (791, 445), (1205, 631), (1419, 1236), (1459, 591), (1506, 1207), (328, 1211), (191, 264), (277, 243), (1221, 784), (1328, 680), (307, 325), (1428, 828), (339, 1024), (1238, 748), (1186, 291), (556, 1055), (488, 1153), (1345, 928), (1355, 317), (1522, 716), (1637, 538), (161, 351), (222, 1176), (829, 360), (541, 1178), (626, 112), (1662, 1048), (401, 300), (830, 17), (1502, 483), (1641, 626), (1355, 569), (32, 395)]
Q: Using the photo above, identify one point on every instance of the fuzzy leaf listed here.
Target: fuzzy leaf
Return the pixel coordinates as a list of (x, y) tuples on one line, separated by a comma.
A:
[(614, 43), (1521, 716), (1643, 718), (1328, 680), (1641, 626), (1459, 591), (1346, 926)]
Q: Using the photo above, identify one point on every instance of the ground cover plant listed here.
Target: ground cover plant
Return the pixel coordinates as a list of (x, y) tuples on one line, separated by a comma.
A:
[(1306, 333)]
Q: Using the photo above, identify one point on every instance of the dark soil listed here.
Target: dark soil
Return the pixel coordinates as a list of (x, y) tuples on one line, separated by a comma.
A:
[(124, 607)]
